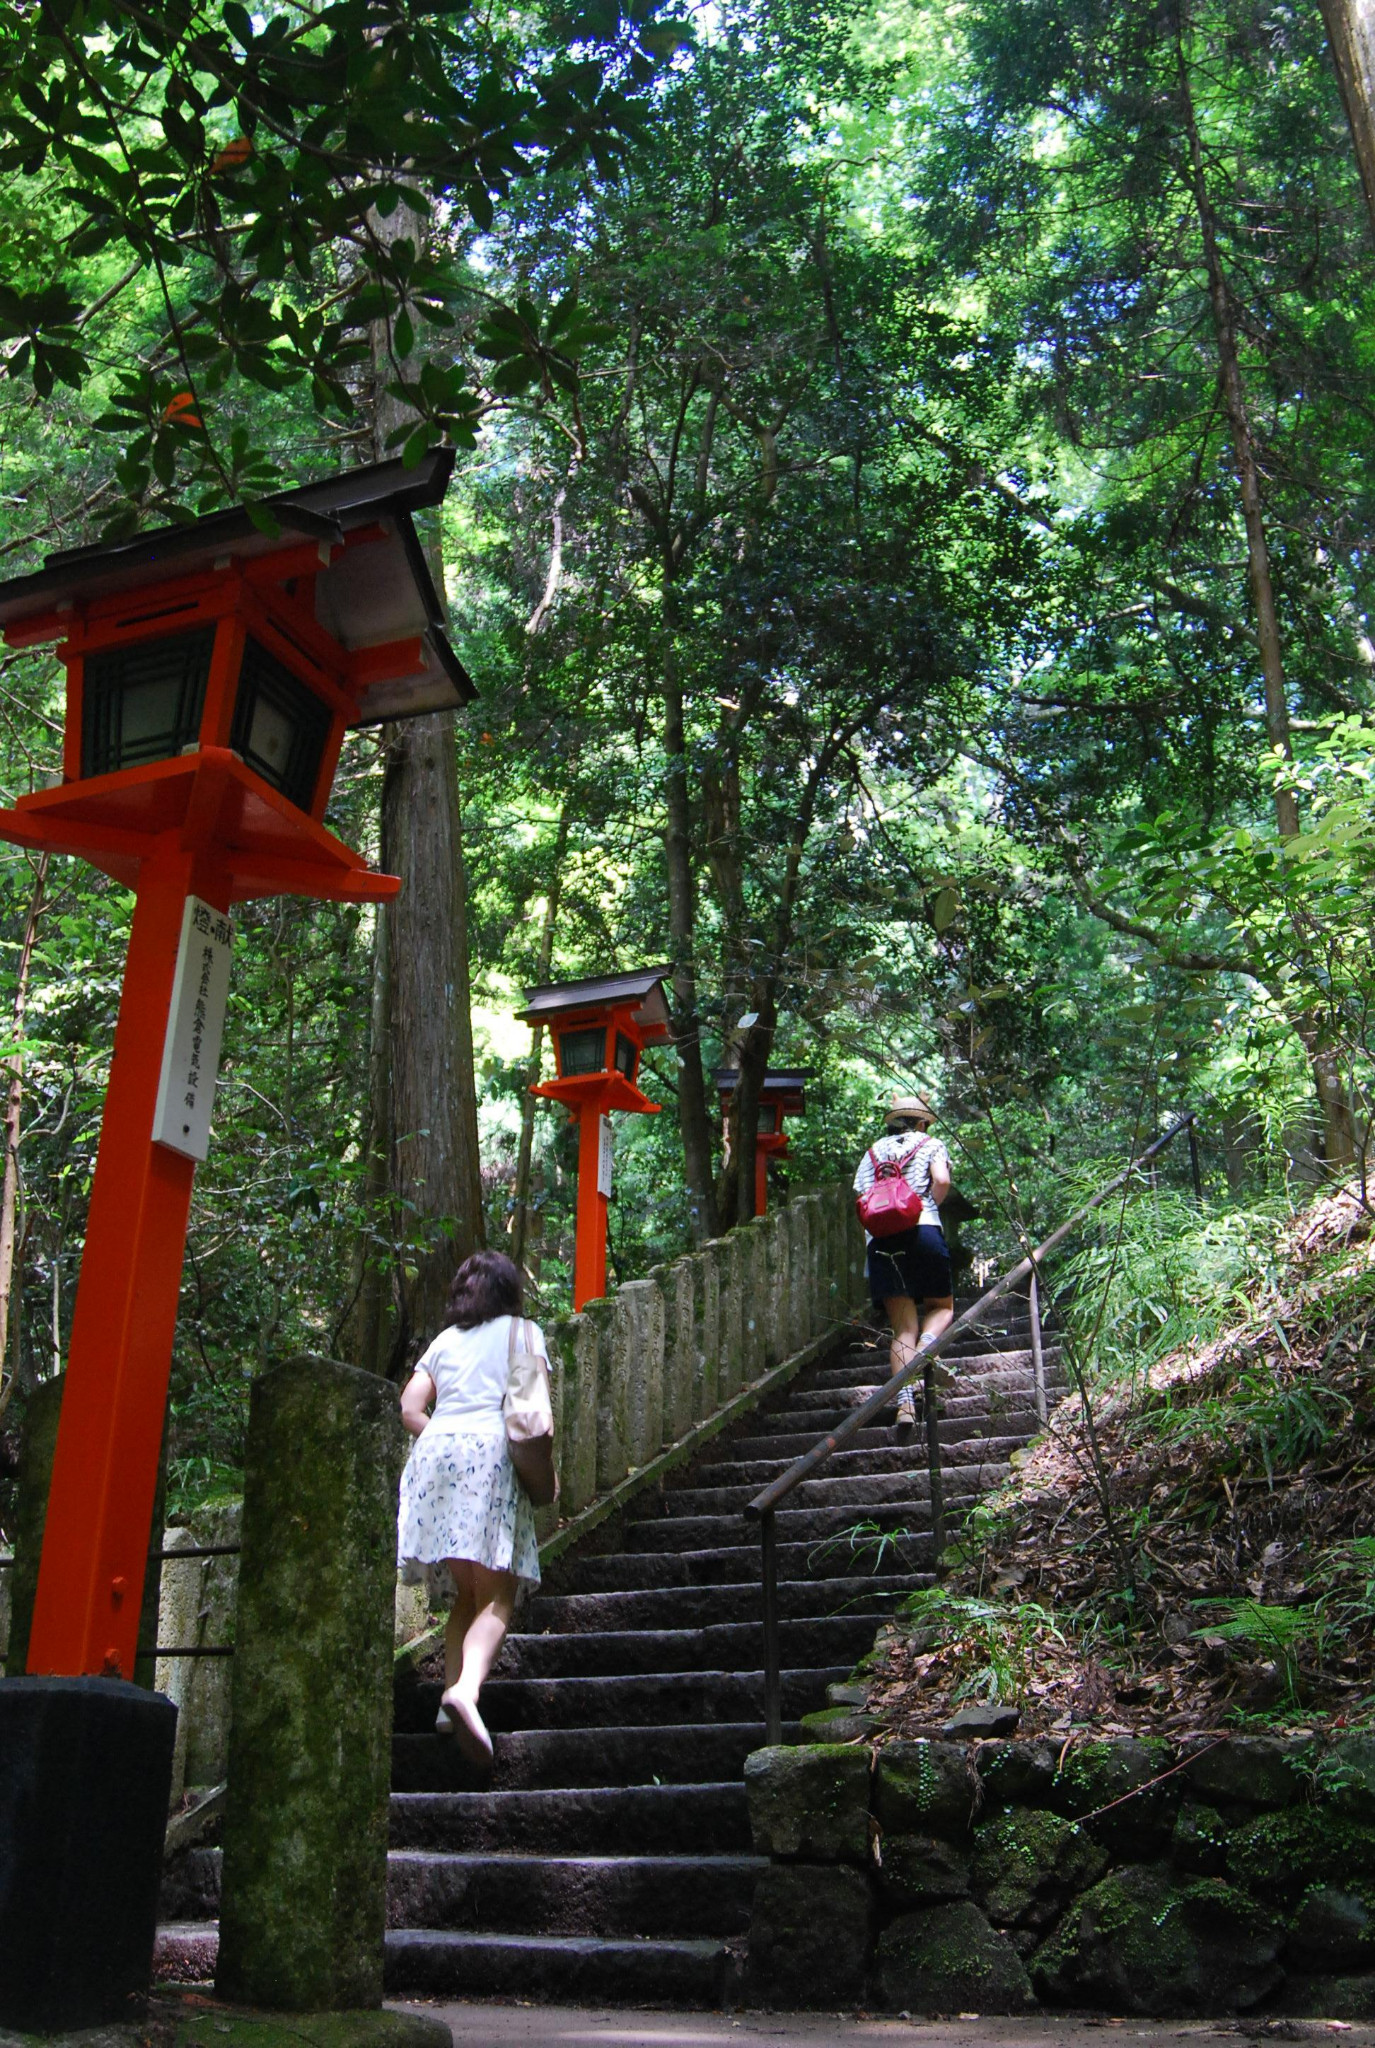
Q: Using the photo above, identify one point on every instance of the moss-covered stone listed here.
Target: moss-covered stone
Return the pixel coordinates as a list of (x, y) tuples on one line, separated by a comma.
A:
[(1017, 1773), (838, 1724), (1329, 1998), (303, 1913), (1120, 1776), (1199, 1843), (809, 1936), (1279, 1855), (1332, 1931), (925, 1788), (190, 2020), (222, 2027), (1249, 1770), (922, 1870), (1347, 1776), (810, 1801), (1028, 1862), (1141, 1943), (948, 1959)]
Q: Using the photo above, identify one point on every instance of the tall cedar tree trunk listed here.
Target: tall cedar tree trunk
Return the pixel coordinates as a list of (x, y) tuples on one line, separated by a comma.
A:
[(520, 1207), (367, 1320), (1339, 1136), (14, 1098), (687, 1029), (436, 1177), (1351, 38)]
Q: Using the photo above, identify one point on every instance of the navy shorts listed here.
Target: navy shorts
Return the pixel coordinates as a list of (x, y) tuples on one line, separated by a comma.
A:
[(913, 1262)]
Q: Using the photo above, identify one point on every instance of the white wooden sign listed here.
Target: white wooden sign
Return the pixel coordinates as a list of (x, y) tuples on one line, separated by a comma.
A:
[(605, 1158), (195, 1024)]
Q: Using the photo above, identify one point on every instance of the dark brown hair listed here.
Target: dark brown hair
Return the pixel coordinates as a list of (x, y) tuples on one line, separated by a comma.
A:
[(486, 1285)]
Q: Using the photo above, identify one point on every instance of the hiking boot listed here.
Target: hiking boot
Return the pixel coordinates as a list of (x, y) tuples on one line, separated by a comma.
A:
[(905, 1410)]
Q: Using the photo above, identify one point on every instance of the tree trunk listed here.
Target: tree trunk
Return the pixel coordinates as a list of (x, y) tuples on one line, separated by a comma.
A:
[(14, 1098), (736, 1194), (687, 1029), (520, 1205), (1351, 38), (367, 1322), (436, 1175), (435, 1170), (1338, 1136), (1244, 450)]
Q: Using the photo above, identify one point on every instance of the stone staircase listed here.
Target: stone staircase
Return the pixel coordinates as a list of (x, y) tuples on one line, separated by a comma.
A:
[(609, 1857)]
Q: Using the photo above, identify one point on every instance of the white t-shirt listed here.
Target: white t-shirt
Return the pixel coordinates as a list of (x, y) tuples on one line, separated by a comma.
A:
[(469, 1369), (919, 1157)]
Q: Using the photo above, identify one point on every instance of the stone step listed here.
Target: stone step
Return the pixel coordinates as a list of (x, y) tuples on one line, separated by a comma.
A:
[(780, 1450), (895, 1454), (855, 1489), (562, 1969), (645, 1699), (689, 1606), (976, 1363), (719, 1646), (738, 1563), (813, 1525), (538, 1759), (186, 1952), (707, 1819), (655, 1895), (644, 1896)]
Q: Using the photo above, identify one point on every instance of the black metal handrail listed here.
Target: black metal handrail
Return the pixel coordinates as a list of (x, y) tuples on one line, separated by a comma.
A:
[(766, 1503)]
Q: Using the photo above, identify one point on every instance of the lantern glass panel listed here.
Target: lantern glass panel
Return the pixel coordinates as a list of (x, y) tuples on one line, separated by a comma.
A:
[(143, 702), (768, 1120), (583, 1052), (280, 727), (627, 1056)]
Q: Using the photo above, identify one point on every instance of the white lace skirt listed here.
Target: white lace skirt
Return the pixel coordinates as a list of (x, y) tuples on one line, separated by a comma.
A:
[(460, 1497)]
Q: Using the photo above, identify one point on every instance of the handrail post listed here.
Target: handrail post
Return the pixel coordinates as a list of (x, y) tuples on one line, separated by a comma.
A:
[(1194, 1165), (933, 1460), (773, 1675), (1038, 1356)]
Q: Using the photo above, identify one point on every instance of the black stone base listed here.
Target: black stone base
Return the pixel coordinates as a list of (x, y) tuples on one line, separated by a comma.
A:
[(85, 1775)]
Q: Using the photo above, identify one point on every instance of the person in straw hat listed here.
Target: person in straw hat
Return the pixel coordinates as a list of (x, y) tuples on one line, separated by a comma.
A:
[(912, 1267)]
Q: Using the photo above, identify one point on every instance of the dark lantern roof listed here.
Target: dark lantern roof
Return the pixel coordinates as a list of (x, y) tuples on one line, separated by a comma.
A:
[(369, 596), (545, 1005), (777, 1081)]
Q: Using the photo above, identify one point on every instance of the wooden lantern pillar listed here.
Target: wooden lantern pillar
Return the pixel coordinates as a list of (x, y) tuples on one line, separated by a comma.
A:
[(212, 670), (599, 1028), (783, 1093)]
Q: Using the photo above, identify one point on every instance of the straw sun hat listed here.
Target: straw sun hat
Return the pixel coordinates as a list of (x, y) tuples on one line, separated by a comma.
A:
[(901, 1108)]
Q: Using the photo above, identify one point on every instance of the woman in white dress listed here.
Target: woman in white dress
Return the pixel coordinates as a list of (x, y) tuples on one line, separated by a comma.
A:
[(467, 1528)]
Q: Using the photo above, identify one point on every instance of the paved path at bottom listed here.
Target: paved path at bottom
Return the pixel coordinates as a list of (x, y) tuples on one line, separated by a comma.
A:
[(546, 2026)]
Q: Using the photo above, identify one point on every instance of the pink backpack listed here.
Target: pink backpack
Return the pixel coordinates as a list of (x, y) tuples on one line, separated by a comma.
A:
[(890, 1205)]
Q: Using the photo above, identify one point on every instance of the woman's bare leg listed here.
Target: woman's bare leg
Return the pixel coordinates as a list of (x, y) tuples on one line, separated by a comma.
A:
[(493, 1597), (937, 1314), (901, 1312), (460, 1618)]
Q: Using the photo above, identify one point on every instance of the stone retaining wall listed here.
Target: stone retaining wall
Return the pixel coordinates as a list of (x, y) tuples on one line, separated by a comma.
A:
[(1232, 1874)]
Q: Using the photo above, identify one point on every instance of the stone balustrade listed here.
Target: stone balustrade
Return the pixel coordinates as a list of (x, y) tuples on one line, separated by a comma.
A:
[(640, 1370)]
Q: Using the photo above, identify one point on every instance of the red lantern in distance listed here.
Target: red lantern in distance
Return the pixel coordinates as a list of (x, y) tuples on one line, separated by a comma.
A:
[(599, 1029), (782, 1094)]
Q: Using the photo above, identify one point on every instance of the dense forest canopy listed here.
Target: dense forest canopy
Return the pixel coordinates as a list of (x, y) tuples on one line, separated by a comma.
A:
[(911, 534)]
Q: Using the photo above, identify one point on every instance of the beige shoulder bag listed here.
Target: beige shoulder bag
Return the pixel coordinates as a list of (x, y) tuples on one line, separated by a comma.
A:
[(528, 1411)]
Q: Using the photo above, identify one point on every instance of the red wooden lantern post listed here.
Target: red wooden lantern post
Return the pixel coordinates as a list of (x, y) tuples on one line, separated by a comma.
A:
[(211, 672), (782, 1094), (600, 1028)]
